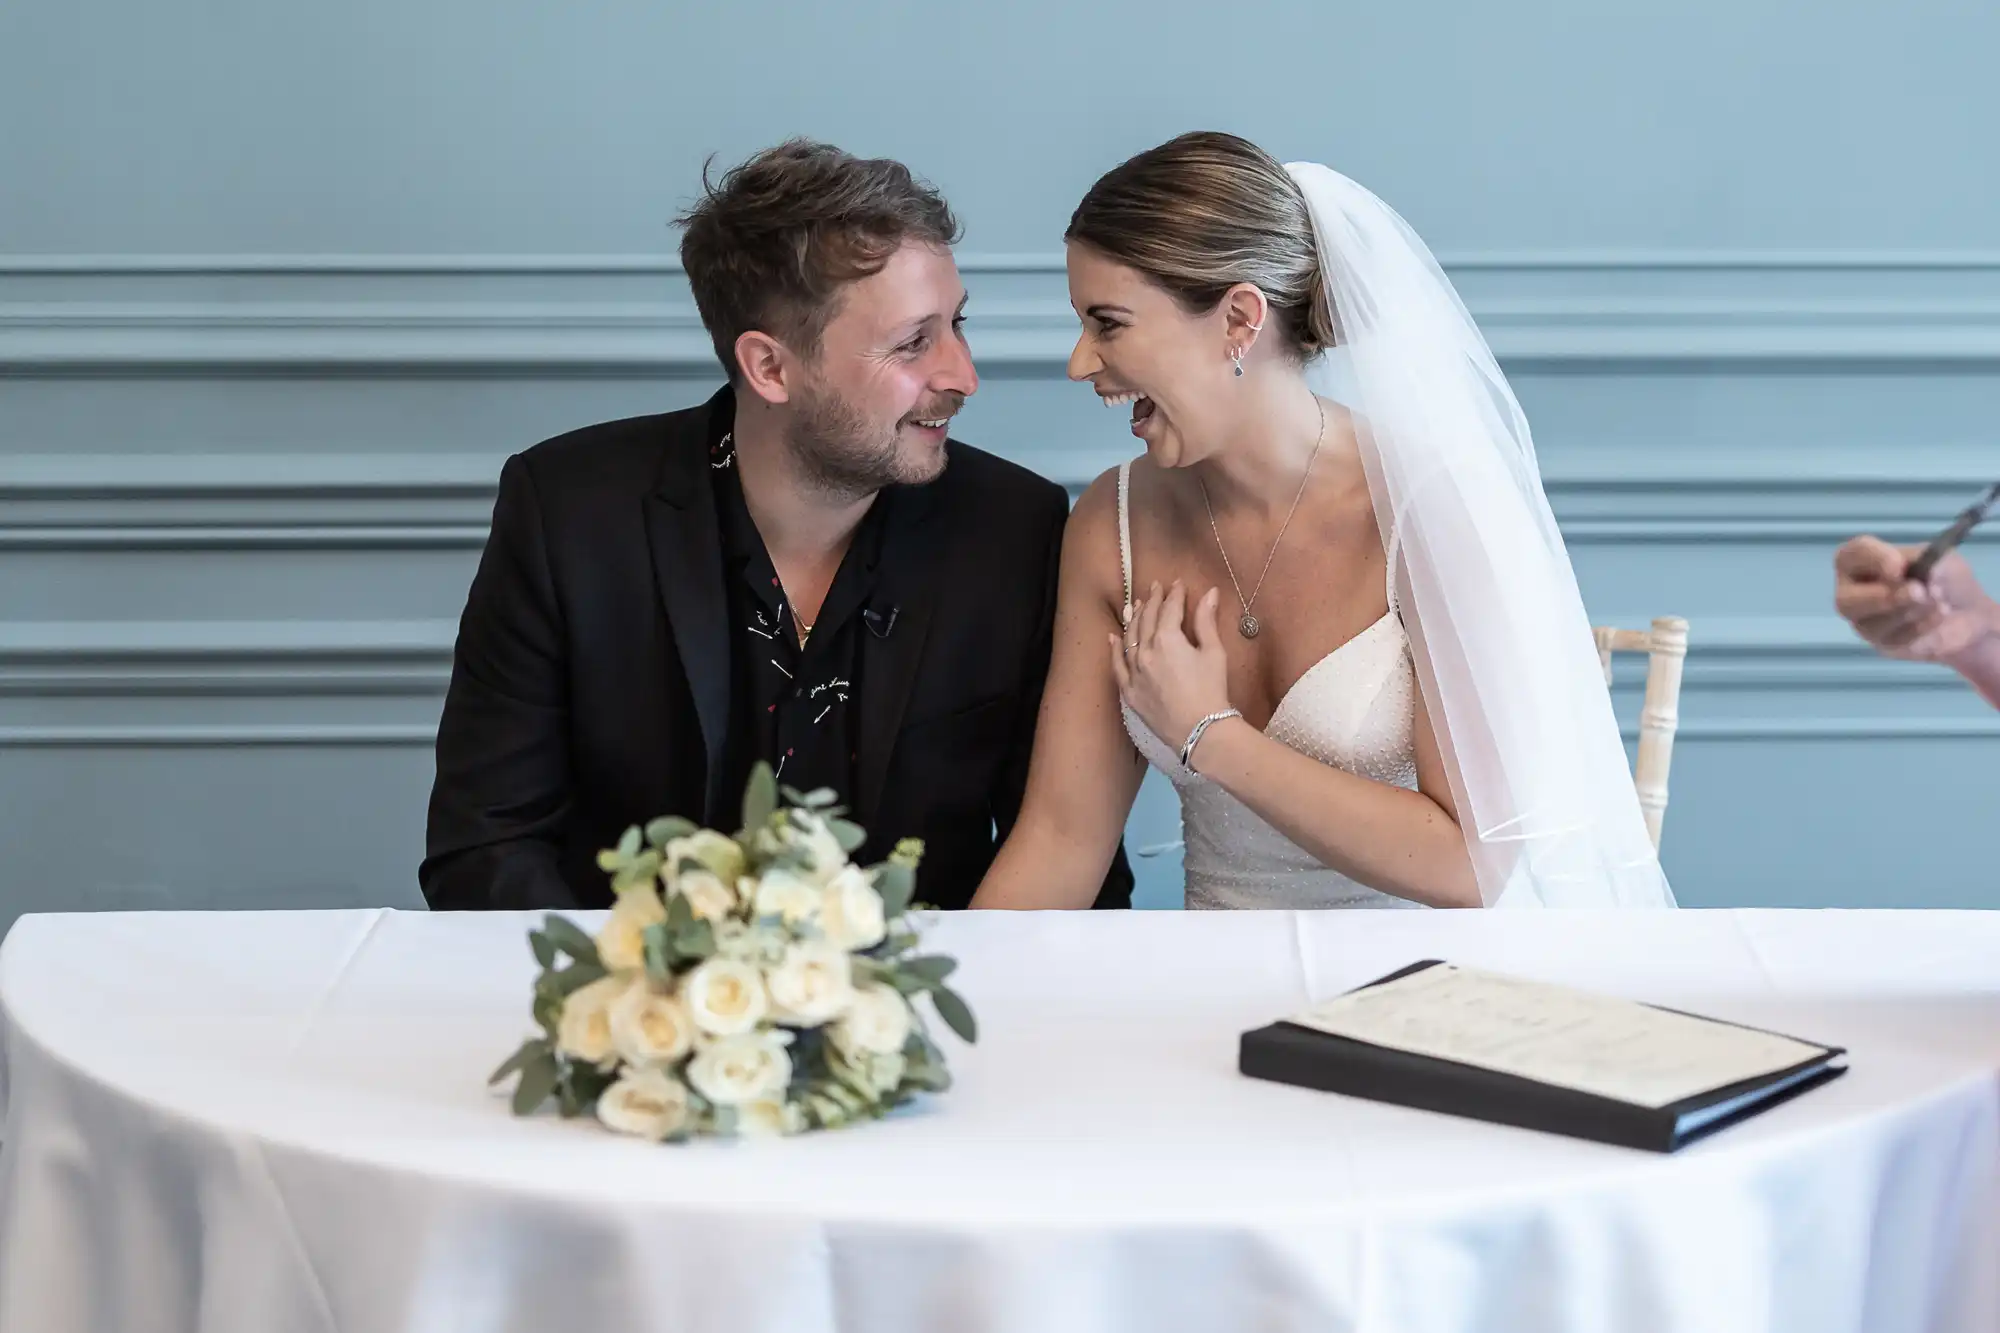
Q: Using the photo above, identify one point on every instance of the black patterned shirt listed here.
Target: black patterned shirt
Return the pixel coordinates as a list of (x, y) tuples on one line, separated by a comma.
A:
[(791, 705)]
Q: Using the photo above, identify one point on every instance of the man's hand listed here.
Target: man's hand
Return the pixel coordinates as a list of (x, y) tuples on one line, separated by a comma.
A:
[(1945, 619)]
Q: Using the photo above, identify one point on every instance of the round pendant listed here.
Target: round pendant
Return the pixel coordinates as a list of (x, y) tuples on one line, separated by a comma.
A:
[(1248, 626)]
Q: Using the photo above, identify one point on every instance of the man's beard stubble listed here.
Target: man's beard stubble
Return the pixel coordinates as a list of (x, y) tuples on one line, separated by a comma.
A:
[(840, 452)]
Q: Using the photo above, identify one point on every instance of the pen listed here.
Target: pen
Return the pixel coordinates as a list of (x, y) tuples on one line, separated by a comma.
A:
[(1968, 519)]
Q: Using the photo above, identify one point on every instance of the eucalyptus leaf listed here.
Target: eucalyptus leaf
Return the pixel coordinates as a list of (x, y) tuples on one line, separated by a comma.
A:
[(905, 981), (547, 1011), (819, 798), (664, 830), (931, 970), (532, 1049), (895, 882), (696, 940), (896, 942), (567, 936), (957, 1015), (659, 951), (538, 1080), (544, 947), (929, 1078), (849, 835), (629, 843), (639, 870), (576, 976), (760, 797), (680, 914)]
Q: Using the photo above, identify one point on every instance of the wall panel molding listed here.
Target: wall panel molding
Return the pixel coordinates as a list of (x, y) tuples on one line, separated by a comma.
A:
[(103, 674), (357, 501), (614, 314)]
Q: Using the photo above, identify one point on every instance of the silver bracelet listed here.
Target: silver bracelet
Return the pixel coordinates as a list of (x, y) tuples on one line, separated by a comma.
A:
[(1194, 737)]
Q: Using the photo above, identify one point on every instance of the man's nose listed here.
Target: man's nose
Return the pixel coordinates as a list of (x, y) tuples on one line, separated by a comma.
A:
[(955, 373)]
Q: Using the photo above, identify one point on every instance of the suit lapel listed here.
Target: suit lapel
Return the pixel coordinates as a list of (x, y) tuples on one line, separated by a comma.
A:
[(907, 587), (686, 545)]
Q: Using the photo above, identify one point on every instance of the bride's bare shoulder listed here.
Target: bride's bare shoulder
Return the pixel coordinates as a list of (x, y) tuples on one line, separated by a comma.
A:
[(1090, 545), (1093, 520)]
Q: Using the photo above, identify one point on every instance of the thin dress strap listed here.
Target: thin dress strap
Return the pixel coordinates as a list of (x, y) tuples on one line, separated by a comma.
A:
[(1125, 532), (1389, 562)]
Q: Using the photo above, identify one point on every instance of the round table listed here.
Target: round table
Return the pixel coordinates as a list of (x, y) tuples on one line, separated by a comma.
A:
[(279, 1121)]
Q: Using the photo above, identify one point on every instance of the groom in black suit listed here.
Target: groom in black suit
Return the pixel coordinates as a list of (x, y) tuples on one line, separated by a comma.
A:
[(803, 570)]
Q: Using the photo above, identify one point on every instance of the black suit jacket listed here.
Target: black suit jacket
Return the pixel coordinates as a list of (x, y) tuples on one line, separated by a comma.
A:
[(590, 683)]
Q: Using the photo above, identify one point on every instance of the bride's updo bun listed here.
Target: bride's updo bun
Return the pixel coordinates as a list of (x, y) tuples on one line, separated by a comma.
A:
[(1204, 212)]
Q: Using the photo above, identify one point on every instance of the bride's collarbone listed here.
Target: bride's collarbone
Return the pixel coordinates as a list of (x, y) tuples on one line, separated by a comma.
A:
[(1304, 613)]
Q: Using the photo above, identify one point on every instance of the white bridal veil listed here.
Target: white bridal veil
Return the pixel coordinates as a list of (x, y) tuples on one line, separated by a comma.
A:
[(1504, 653)]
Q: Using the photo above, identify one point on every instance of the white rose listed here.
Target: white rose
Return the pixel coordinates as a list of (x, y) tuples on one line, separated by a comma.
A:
[(708, 895), (877, 1022), (621, 945), (813, 984), (725, 997), (650, 1028), (826, 859), (764, 1119), (850, 916), (650, 1103), (720, 854), (782, 893), (584, 1030), (753, 1067)]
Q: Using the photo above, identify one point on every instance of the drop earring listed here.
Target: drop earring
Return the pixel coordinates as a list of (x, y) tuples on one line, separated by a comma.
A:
[(1236, 353)]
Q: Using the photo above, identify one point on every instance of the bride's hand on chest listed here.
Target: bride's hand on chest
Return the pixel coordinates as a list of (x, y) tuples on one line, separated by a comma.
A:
[(1172, 679)]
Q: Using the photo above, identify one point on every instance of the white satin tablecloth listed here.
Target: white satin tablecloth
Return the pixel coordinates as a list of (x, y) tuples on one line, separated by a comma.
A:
[(267, 1123)]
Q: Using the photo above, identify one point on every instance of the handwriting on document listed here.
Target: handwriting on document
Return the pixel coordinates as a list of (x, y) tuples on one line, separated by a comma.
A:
[(1552, 1034)]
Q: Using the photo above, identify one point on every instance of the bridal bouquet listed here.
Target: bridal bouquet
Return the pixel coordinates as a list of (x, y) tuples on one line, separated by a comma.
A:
[(760, 984)]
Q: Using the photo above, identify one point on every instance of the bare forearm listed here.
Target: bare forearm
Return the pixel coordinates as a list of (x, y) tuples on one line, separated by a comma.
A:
[(1067, 835), (1044, 865), (1980, 663), (1398, 841)]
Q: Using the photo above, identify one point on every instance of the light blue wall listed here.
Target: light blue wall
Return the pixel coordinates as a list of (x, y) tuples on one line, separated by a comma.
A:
[(280, 285)]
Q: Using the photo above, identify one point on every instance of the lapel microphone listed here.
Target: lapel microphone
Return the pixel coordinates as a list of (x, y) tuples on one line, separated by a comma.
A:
[(878, 624)]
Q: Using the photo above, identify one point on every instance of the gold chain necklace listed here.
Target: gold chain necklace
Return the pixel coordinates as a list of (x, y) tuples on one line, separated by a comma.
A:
[(1248, 626)]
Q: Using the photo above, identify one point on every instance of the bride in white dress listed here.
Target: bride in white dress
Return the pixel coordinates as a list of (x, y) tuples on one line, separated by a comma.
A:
[(1330, 602)]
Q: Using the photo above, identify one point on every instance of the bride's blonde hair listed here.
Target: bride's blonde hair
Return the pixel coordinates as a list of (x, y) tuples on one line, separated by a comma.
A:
[(1204, 212)]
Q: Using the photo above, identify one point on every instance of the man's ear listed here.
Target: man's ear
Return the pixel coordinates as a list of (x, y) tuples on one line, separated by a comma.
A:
[(765, 366)]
